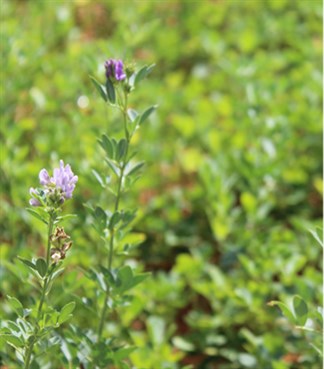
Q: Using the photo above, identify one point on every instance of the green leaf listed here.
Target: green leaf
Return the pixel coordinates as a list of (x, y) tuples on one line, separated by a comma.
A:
[(138, 278), (57, 273), (183, 344), (12, 327), (127, 217), (318, 350), (123, 353), (65, 217), (28, 263), (146, 114), (16, 305), (36, 215), (301, 310), (107, 145), (142, 73), (156, 329), (126, 280), (100, 217), (108, 274), (318, 315), (51, 319), (110, 91), (113, 167), (121, 148), (98, 178), (314, 233), (115, 218), (115, 144), (65, 312), (285, 310), (99, 88), (11, 340), (41, 267), (135, 168)]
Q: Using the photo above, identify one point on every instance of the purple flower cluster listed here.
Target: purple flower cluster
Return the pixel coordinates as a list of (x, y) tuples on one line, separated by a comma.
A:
[(115, 69), (59, 187)]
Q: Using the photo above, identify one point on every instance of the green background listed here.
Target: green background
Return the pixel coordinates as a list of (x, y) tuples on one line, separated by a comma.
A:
[(233, 180)]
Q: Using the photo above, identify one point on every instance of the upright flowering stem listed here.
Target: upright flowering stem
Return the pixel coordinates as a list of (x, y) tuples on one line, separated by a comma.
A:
[(115, 224), (48, 275), (49, 198), (116, 208), (43, 294)]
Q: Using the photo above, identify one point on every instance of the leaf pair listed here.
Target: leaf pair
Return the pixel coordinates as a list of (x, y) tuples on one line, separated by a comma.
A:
[(114, 150), (139, 119)]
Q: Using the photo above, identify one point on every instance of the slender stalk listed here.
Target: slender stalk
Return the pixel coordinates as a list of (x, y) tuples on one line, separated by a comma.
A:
[(50, 231), (33, 340), (112, 235)]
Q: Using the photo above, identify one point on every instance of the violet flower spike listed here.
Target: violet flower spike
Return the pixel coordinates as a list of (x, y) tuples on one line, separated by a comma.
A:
[(115, 69), (64, 179), (58, 188)]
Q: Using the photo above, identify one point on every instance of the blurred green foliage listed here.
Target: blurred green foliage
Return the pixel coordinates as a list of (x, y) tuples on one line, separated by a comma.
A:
[(234, 175)]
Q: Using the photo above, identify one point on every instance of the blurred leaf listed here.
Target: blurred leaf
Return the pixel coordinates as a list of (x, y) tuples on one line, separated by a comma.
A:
[(182, 344), (142, 73), (134, 168), (285, 310), (121, 148), (156, 328), (100, 88), (36, 214), (16, 305), (146, 114), (12, 340), (107, 145), (314, 233), (27, 262), (115, 218), (301, 310), (99, 178), (41, 267), (66, 311), (110, 91)]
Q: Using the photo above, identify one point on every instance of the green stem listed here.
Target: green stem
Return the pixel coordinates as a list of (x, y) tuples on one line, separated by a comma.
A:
[(112, 236), (50, 231), (28, 355), (32, 342)]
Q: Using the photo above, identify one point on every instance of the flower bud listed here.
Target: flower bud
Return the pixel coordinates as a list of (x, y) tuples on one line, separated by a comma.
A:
[(56, 255), (59, 237)]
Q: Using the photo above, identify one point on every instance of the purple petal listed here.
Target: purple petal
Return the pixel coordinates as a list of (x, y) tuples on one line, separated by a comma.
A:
[(32, 191), (34, 202), (64, 179), (109, 65), (119, 71), (44, 178)]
